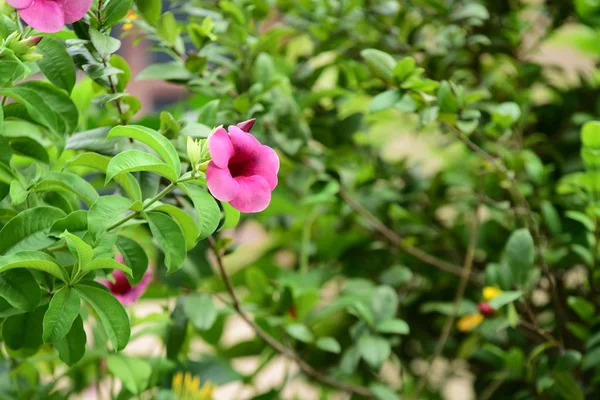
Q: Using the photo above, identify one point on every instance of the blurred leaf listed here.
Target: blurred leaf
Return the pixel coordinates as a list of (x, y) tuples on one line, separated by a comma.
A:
[(200, 310)]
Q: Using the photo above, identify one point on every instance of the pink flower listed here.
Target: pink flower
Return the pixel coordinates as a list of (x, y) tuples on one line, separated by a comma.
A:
[(246, 126), (242, 172), (122, 289), (51, 15)]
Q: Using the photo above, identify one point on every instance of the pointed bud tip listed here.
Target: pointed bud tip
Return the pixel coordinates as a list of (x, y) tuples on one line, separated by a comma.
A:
[(246, 126)]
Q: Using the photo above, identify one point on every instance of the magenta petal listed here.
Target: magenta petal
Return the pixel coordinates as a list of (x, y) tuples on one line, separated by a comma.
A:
[(220, 182), (19, 4), (44, 15), (266, 165), (244, 143), (254, 194), (246, 126), (74, 10), (137, 291), (220, 147)]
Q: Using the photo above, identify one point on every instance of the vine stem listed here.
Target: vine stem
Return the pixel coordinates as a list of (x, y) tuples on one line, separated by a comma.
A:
[(278, 346), (460, 292), (561, 315), (399, 242)]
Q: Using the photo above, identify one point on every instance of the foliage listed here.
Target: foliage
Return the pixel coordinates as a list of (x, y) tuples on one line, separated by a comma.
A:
[(437, 199)]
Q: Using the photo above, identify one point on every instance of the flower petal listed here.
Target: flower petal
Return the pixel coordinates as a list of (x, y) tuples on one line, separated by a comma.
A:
[(254, 194), (246, 126), (244, 143), (220, 182), (19, 4), (74, 10), (220, 147), (266, 165), (44, 15), (137, 291)]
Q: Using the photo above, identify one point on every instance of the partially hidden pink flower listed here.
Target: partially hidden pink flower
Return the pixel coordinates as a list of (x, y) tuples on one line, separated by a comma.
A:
[(51, 15), (243, 171), (122, 289), (246, 126)]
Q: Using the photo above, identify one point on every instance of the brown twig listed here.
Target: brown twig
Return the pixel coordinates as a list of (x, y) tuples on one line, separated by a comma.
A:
[(278, 346), (460, 292), (561, 314), (398, 241)]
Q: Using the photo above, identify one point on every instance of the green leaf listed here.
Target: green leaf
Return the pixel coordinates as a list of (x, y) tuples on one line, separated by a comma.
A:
[(151, 10), (567, 386), (135, 160), (504, 298), (104, 43), (62, 311), (381, 64), (520, 254), (374, 350), (134, 257), (105, 212), (68, 182), (395, 326), (404, 68), (24, 331), (135, 373), (100, 163), (385, 100), (157, 142), (171, 71), (29, 230), (231, 216), (590, 134), (17, 192), (113, 11), (177, 331), (71, 348), (168, 29), (200, 310), (57, 65), (47, 105), (207, 115), (300, 332), (106, 263), (586, 221), (382, 392), (329, 344), (185, 221), (207, 209), (111, 314), (20, 289), (80, 249), (170, 239), (26, 139), (75, 222), (384, 303), (33, 260), (568, 360), (583, 308)]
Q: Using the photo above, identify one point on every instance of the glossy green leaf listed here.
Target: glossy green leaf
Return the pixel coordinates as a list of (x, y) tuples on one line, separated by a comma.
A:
[(134, 257), (170, 239), (157, 142), (100, 163), (68, 182), (135, 160), (71, 348), (231, 216), (24, 331), (80, 249), (104, 43), (62, 311), (105, 212), (113, 11), (185, 221), (75, 222), (33, 260), (380, 63), (20, 289), (106, 263), (207, 209), (57, 65), (29, 230), (111, 313)]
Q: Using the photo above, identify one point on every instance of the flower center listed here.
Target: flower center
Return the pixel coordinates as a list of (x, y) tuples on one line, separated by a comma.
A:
[(240, 167), (121, 286)]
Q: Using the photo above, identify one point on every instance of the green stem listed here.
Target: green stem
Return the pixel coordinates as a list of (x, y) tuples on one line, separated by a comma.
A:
[(151, 201)]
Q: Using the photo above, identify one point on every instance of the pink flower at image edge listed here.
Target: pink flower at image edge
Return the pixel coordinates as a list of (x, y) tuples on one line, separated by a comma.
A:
[(122, 289), (51, 15), (242, 171)]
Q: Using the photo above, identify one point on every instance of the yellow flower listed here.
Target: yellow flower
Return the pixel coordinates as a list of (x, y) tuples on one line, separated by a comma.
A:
[(188, 387), (489, 292), (131, 16), (469, 322)]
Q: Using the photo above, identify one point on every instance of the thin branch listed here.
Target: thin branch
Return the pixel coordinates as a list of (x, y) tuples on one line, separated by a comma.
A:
[(460, 292), (278, 346), (398, 241), (561, 314)]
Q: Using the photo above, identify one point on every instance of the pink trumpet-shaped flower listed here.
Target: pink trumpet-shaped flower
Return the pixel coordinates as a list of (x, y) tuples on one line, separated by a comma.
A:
[(51, 15), (242, 171), (122, 289)]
